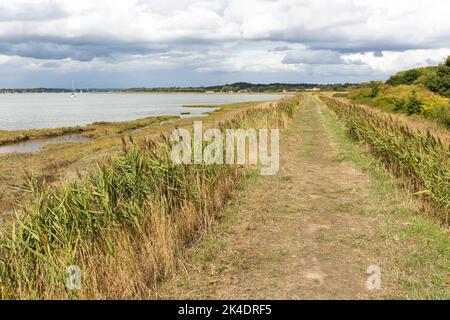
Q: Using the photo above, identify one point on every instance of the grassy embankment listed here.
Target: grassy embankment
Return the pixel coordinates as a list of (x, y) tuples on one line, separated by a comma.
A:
[(420, 158), (422, 93), (335, 211), (125, 223), (414, 101)]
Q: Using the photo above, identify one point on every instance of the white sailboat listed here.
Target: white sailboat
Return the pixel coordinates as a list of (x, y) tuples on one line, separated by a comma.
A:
[(73, 90)]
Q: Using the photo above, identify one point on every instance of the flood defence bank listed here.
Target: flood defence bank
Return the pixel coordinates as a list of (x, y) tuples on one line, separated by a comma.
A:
[(127, 223)]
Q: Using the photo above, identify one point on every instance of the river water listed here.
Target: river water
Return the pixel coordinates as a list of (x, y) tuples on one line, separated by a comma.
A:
[(38, 144), (52, 110)]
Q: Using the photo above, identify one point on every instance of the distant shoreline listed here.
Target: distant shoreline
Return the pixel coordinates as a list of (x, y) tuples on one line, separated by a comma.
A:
[(155, 92), (237, 87)]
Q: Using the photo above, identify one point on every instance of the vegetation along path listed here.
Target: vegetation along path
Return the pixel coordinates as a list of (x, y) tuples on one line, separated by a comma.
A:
[(313, 230)]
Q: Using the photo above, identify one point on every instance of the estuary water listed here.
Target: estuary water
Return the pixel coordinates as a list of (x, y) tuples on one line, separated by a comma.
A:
[(37, 145), (52, 110)]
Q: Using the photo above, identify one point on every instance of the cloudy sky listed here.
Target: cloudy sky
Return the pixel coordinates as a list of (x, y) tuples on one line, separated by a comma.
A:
[(130, 43)]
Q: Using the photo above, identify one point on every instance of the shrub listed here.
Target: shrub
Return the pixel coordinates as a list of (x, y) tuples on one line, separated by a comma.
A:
[(375, 88), (399, 104), (414, 105), (441, 115), (411, 99), (439, 81), (405, 77), (340, 95)]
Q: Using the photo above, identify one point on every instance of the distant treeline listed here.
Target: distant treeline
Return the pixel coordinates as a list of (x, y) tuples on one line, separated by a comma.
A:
[(51, 90), (234, 87), (248, 87)]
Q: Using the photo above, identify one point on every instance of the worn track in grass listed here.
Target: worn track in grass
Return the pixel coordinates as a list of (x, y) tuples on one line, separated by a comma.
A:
[(312, 231)]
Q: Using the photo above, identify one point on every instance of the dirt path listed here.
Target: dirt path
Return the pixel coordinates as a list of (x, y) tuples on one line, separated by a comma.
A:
[(306, 233)]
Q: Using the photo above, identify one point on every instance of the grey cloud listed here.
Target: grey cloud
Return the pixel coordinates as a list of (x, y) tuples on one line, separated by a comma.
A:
[(52, 51), (378, 54), (433, 62), (321, 41), (50, 65), (329, 37), (313, 57), (77, 48), (163, 38), (332, 37), (281, 49)]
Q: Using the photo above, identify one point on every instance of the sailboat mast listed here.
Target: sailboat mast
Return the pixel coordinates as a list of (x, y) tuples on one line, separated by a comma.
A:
[(72, 95)]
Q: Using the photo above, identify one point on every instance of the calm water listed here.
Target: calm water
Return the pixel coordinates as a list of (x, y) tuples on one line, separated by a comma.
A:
[(42, 110), (37, 145)]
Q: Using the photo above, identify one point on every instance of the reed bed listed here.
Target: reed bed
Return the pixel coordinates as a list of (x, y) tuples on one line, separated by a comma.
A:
[(125, 225), (420, 158)]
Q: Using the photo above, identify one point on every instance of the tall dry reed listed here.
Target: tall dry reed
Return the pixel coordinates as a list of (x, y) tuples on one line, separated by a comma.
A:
[(420, 158), (126, 225)]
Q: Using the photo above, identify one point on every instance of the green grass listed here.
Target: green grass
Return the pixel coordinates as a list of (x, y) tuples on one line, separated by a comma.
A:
[(425, 264), (420, 158), (95, 130), (16, 136), (427, 105)]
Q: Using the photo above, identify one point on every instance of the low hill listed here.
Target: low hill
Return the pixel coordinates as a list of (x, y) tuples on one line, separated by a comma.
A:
[(436, 79), (422, 91)]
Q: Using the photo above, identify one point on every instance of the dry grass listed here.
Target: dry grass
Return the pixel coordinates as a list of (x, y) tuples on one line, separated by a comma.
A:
[(94, 130), (67, 160), (15, 136), (311, 231), (125, 224), (420, 157)]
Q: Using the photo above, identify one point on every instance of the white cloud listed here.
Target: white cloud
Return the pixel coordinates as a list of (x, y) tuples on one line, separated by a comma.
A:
[(391, 62), (342, 37)]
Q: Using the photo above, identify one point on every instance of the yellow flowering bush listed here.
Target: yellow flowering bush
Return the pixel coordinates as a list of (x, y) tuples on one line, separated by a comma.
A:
[(389, 95)]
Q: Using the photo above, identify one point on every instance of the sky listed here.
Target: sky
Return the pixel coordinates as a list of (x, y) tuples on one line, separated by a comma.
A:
[(137, 43)]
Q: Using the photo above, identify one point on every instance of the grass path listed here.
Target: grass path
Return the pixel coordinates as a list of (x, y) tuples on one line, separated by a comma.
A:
[(312, 231)]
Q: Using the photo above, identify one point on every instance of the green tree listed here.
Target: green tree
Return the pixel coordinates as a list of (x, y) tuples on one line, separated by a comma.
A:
[(414, 104), (404, 77), (399, 104), (411, 76), (375, 88), (439, 80)]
